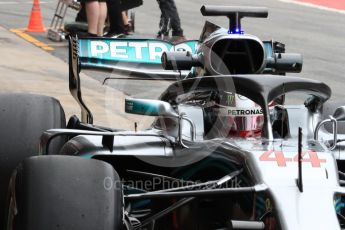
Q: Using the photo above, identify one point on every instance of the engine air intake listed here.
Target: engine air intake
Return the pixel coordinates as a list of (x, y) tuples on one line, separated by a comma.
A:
[(237, 56)]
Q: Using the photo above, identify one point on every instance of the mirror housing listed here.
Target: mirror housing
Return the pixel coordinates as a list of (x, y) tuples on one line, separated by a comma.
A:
[(149, 107), (180, 60)]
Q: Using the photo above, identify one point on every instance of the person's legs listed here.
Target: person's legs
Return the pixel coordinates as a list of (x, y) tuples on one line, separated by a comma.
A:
[(115, 17), (127, 24), (92, 14), (174, 18), (81, 16), (101, 18), (125, 17), (164, 19)]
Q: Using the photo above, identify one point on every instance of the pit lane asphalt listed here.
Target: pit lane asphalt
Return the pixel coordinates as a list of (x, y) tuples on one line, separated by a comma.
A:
[(318, 34)]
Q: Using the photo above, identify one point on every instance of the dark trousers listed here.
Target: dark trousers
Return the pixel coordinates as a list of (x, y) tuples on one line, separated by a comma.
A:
[(115, 16), (81, 16), (170, 15)]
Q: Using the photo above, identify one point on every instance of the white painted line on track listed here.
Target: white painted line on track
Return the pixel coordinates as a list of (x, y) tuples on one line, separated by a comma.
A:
[(313, 6)]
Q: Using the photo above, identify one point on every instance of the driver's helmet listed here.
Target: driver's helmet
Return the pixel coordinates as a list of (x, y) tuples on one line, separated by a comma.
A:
[(238, 116)]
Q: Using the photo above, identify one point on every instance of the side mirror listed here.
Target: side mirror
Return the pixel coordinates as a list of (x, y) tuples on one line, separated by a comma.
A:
[(158, 108), (149, 107), (338, 116), (180, 60)]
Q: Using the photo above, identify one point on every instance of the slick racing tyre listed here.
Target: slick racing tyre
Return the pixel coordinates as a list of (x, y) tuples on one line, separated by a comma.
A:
[(74, 27), (23, 119), (64, 192)]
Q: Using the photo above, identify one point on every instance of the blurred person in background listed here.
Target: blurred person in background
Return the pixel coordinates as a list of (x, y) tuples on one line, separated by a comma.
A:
[(120, 25), (170, 19), (115, 15), (116, 22), (96, 14)]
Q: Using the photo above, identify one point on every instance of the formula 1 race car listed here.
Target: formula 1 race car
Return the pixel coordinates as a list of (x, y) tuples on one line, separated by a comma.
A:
[(228, 149)]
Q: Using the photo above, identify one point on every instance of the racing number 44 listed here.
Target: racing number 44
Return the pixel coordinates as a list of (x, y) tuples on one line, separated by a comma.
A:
[(279, 157)]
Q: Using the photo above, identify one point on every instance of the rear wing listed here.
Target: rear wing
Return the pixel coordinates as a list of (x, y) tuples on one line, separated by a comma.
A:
[(134, 57)]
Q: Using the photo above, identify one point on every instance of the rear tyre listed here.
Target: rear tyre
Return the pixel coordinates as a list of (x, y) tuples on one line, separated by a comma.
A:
[(74, 28), (23, 119), (64, 192)]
